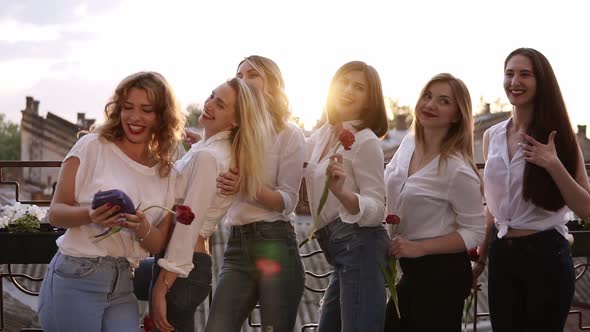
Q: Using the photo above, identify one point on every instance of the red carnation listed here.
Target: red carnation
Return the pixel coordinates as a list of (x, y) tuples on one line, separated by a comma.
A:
[(346, 138), (184, 214), (392, 219), (473, 254)]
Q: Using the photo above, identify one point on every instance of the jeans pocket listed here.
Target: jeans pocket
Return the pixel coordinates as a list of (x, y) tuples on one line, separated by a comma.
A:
[(73, 267)]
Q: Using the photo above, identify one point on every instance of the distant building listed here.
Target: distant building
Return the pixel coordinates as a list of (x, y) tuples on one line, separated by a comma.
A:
[(483, 121), (394, 136), (584, 142), (49, 138)]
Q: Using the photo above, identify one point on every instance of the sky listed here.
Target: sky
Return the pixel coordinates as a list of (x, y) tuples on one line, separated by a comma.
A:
[(71, 54)]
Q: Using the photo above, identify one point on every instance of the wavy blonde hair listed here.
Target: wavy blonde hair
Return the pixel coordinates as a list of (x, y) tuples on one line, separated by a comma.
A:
[(251, 138), (274, 89), (170, 121), (459, 138)]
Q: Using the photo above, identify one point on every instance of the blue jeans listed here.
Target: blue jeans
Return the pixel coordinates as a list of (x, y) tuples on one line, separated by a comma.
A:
[(88, 294), (185, 295), (355, 298), (261, 264), (530, 283)]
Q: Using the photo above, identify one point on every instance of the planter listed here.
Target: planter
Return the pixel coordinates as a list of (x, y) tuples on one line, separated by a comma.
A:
[(29, 248), (581, 246)]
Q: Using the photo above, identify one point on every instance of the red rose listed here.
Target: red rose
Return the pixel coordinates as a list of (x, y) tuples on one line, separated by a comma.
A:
[(392, 219), (184, 214), (346, 138), (148, 324), (473, 255)]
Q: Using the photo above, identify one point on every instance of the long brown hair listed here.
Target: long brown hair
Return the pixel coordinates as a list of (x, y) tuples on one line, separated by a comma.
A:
[(375, 116), (170, 120), (549, 114)]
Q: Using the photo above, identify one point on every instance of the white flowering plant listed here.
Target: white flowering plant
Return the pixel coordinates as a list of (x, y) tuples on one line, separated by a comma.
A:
[(19, 217)]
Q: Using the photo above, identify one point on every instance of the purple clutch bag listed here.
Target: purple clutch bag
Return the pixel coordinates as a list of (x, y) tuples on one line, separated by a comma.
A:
[(115, 197)]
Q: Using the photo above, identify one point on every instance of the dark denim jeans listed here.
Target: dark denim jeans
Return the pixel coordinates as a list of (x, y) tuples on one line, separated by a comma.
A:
[(431, 294), (531, 282), (261, 264), (355, 298), (88, 294), (185, 295)]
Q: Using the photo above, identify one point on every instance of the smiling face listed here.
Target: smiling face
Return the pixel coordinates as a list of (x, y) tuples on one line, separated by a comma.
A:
[(138, 117), (437, 107), (351, 95), (219, 112), (520, 83)]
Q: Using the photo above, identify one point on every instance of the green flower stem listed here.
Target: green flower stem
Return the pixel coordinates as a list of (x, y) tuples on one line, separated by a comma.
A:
[(117, 229), (390, 275), (324, 198)]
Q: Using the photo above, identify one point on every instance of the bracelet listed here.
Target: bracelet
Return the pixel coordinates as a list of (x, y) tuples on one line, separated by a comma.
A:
[(166, 284), (140, 239)]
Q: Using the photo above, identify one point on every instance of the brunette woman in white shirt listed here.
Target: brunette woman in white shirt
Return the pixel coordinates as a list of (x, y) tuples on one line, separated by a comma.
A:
[(434, 188), (261, 262), (88, 285), (534, 174), (349, 227)]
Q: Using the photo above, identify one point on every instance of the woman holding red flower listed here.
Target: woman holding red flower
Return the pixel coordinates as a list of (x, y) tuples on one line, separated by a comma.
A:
[(88, 285), (434, 188), (349, 228), (534, 175), (234, 119)]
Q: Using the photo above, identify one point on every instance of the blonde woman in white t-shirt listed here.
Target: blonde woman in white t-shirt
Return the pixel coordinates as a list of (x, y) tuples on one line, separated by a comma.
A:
[(88, 285), (434, 188)]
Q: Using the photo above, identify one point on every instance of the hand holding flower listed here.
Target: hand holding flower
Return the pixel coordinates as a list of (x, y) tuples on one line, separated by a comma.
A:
[(390, 271), (400, 247), (335, 171)]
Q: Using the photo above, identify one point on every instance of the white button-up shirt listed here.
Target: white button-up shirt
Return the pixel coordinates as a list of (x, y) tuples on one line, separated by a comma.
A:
[(503, 179), (435, 201), (284, 172), (196, 186), (363, 165)]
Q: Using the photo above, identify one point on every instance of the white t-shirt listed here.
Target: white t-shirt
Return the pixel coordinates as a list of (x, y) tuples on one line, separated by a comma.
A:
[(284, 172), (432, 203), (363, 165), (503, 180), (197, 187), (103, 166)]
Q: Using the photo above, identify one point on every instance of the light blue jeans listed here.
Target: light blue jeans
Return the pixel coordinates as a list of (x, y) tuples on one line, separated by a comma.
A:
[(261, 264), (88, 294), (355, 299)]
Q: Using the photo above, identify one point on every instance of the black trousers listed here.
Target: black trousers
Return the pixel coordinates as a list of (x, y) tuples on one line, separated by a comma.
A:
[(431, 294), (531, 282)]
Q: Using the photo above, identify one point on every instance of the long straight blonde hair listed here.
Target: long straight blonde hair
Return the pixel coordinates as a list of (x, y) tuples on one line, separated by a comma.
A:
[(459, 138), (251, 138)]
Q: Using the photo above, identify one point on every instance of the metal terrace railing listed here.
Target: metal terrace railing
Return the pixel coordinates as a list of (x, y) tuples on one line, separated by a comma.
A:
[(309, 251)]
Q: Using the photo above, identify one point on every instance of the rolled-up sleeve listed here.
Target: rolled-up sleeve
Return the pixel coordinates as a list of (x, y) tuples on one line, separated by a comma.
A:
[(466, 200), (290, 170), (200, 192), (367, 165)]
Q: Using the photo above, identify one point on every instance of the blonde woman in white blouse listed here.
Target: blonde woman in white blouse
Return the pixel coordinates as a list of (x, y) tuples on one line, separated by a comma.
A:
[(261, 263), (88, 286), (233, 118), (350, 230), (434, 187)]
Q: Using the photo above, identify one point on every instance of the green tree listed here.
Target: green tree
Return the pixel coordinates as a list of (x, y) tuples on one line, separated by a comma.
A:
[(9, 139), (194, 111)]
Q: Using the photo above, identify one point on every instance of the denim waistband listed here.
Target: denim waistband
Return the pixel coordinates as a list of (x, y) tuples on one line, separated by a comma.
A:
[(330, 228), (255, 227), (108, 260)]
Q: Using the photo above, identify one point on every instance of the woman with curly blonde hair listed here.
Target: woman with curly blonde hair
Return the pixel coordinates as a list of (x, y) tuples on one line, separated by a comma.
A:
[(133, 152)]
